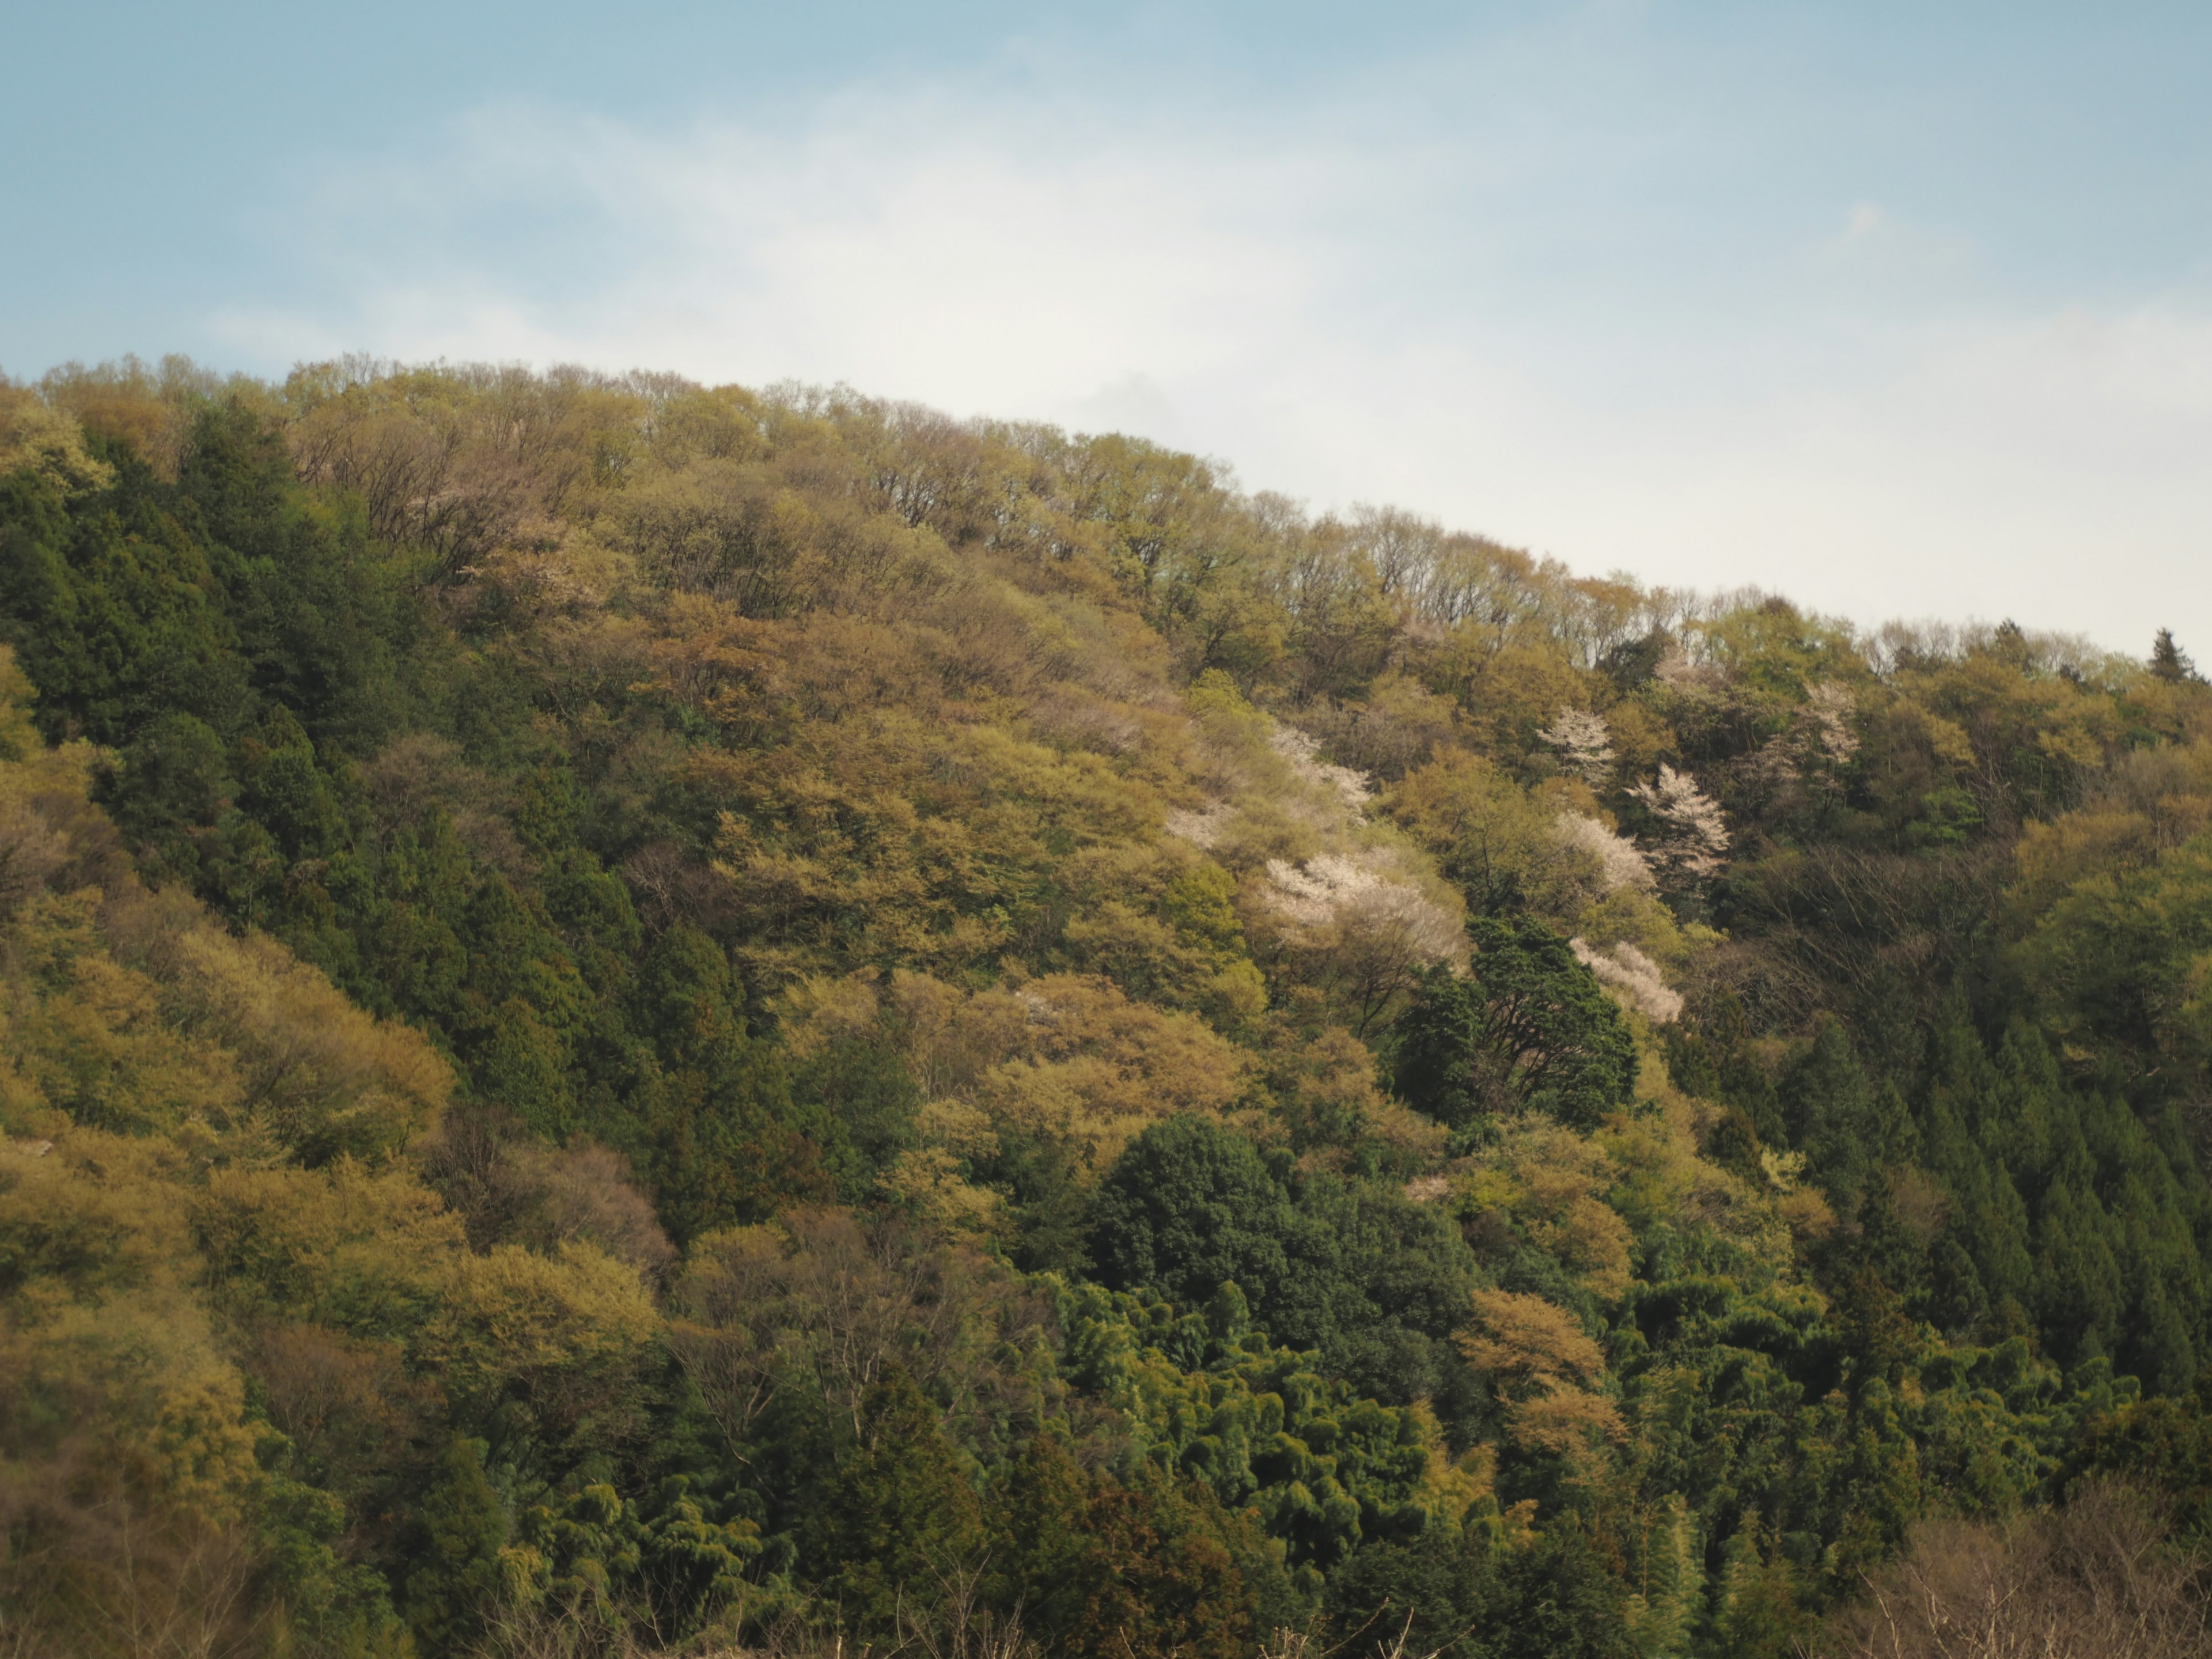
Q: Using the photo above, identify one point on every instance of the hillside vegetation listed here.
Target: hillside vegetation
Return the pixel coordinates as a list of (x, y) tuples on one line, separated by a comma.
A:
[(640, 1017)]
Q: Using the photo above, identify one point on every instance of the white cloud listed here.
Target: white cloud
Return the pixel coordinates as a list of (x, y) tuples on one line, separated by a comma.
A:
[(990, 263), (1341, 314)]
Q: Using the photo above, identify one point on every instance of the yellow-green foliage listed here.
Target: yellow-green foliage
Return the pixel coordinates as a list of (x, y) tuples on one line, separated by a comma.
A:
[(861, 829), (202, 1191), (36, 435)]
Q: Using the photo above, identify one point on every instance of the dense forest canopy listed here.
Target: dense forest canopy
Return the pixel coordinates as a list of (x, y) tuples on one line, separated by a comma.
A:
[(645, 1017)]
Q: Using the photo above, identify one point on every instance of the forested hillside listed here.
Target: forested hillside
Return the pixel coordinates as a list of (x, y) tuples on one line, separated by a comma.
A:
[(645, 1018)]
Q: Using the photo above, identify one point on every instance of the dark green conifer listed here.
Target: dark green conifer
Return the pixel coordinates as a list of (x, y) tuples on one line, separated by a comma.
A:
[(452, 1588), (2169, 662), (900, 1526)]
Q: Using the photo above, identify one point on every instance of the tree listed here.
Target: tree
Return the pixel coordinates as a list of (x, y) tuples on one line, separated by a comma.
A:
[(452, 1590), (1445, 1067), (1189, 1207), (1847, 1126), (866, 1101), (1584, 743), (1439, 1593), (2089, 1578), (1713, 1056), (1529, 1024), (1693, 839), (525, 1067), (2170, 663), (1456, 1593), (1351, 1270), (712, 1122), (1094, 1569), (901, 1527)]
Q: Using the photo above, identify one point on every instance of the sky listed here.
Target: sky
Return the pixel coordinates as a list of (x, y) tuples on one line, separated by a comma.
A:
[(1902, 310)]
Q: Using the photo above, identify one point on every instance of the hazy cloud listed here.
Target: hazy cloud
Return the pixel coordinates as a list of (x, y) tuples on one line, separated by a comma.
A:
[(1344, 305)]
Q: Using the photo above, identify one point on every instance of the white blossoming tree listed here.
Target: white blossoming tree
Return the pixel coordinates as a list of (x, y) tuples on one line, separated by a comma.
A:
[(1628, 970), (1693, 839), (1372, 935), (1584, 743), (1619, 863)]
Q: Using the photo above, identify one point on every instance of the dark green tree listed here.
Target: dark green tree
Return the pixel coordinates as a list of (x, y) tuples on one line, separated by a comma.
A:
[(1847, 1125), (866, 1101), (901, 1524), (1350, 1268), (1714, 1058), (705, 1112), (1444, 1064), (525, 1067), (2169, 662), (1438, 1592), (1454, 1593), (1189, 1206), (453, 1587), (1527, 1024), (1093, 1567)]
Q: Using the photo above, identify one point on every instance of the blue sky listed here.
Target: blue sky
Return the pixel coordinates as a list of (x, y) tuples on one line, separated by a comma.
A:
[(1900, 309)]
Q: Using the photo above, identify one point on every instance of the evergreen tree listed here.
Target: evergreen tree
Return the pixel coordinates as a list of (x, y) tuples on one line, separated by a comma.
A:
[(1375, 1284), (1443, 1063), (1438, 1592), (1092, 1567), (1190, 1206), (525, 1067), (1847, 1126), (2169, 662), (1556, 1599), (900, 1526), (864, 1097), (454, 1586), (1529, 1023), (710, 1117)]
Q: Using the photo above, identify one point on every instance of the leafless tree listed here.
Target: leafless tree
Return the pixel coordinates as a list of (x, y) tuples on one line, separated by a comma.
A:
[(2097, 1579)]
